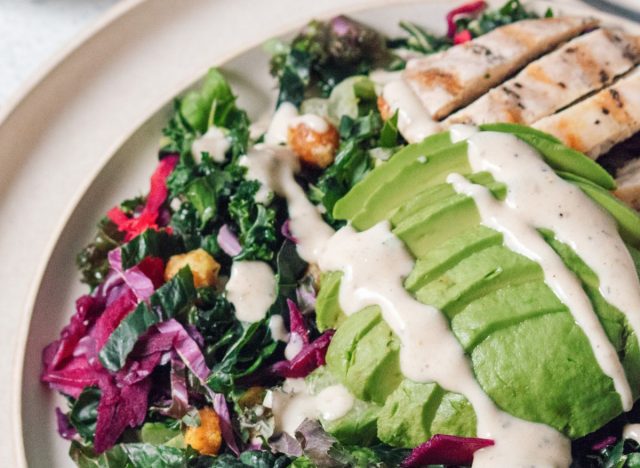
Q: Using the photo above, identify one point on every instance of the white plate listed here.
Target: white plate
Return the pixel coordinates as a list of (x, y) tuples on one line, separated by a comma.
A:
[(84, 137)]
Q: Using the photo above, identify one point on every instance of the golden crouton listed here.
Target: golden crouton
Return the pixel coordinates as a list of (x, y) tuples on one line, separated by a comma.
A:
[(314, 148), (206, 438), (203, 266)]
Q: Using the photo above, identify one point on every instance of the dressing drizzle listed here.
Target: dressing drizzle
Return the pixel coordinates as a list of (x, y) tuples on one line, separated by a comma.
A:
[(374, 264)]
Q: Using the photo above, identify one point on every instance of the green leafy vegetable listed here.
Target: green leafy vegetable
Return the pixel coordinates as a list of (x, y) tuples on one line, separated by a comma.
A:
[(420, 40), (170, 300), (158, 433), (246, 355), (491, 19), (352, 161), (323, 55), (134, 455), (255, 222), (251, 459), (212, 104), (214, 317), (150, 243), (84, 412), (92, 260)]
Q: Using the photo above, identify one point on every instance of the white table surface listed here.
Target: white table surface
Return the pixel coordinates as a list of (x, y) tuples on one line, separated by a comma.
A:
[(32, 31)]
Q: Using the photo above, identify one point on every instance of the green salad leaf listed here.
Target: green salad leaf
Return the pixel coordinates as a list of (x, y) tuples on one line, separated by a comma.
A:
[(84, 412), (247, 354), (170, 300), (150, 243)]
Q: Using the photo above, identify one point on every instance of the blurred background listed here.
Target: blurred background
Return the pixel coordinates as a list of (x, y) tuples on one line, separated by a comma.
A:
[(32, 31)]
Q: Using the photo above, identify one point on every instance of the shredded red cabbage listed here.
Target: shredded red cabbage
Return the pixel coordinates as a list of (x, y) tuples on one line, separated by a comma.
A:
[(228, 241), (604, 443), (139, 281), (222, 410), (65, 429), (472, 8), (286, 231), (310, 357), (186, 347), (296, 322), (444, 449), (179, 404), (149, 216)]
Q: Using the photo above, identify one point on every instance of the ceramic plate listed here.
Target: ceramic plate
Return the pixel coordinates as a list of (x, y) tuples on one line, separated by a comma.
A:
[(85, 136)]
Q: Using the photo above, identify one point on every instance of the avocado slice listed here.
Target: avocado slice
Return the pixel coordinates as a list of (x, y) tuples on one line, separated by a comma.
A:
[(437, 223), (405, 418), (543, 369), (443, 191), (477, 275), (409, 182), (358, 426), (558, 156), (364, 355), (503, 308), (329, 314), (439, 259), (454, 415), (352, 202)]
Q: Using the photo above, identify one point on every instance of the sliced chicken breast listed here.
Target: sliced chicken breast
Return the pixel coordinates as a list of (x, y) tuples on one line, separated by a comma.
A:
[(628, 181), (579, 67), (450, 79), (597, 123)]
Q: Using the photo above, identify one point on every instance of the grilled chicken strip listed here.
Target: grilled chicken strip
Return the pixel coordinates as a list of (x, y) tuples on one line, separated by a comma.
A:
[(450, 79), (597, 123), (581, 66)]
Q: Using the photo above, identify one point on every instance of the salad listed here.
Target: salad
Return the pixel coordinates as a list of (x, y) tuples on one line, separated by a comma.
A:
[(418, 262)]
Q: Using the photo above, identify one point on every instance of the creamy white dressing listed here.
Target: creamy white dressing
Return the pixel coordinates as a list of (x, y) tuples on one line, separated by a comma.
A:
[(414, 122), (461, 132), (538, 198), (215, 142), (277, 328), (294, 403), (251, 289), (279, 126), (277, 166), (258, 170), (631, 431), (294, 346), (374, 264), (314, 122)]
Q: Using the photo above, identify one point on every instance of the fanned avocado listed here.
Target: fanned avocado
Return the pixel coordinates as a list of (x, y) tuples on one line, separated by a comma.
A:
[(328, 311), (349, 205), (359, 425), (526, 350), (416, 411), (365, 356), (411, 180)]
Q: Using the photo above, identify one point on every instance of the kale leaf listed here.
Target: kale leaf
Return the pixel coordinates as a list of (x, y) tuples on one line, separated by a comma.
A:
[(322, 55), (84, 412), (255, 223), (92, 260), (212, 104), (489, 20), (246, 355)]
